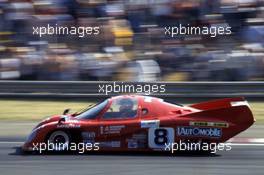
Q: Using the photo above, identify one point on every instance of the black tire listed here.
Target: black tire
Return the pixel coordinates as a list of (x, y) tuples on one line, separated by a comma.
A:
[(58, 141)]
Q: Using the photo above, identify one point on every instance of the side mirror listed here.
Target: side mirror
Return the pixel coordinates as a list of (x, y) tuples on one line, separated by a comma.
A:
[(66, 111), (61, 120)]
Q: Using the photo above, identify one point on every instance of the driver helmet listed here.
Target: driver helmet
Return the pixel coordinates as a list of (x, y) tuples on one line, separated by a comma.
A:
[(126, 104)]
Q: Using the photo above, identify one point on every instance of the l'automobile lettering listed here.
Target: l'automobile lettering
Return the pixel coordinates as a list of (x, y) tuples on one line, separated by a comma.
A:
[(197, 131)]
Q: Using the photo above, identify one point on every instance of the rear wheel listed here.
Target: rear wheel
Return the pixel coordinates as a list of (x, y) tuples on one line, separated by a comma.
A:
[(58, 141)]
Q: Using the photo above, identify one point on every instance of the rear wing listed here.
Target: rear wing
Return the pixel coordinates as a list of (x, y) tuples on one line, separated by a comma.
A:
[(236, 118), (235, 114), (221, 103)]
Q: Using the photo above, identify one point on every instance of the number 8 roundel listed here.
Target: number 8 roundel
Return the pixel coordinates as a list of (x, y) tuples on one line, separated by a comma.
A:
[(158, 137)]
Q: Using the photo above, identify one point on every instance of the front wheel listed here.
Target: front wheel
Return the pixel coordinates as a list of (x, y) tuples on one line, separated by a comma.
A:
[(58, 141)]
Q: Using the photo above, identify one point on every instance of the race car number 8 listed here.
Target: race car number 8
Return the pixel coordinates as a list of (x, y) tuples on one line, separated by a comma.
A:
[(158, 137)]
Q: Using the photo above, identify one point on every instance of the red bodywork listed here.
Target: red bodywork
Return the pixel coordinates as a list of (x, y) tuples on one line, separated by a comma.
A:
[(213, 121)]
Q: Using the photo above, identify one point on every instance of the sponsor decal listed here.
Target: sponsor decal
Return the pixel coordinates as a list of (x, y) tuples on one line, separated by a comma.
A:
[(199, 132), (111, 144), (213, 124), (69, 119), (149, 123), (137, 141), (88, 137), (111, 129), (139, 136), (88, 134), (70, 125), (131, 143), (72, 121), (101, 130)]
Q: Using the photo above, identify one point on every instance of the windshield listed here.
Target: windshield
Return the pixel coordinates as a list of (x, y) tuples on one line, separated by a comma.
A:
[(93, 112)]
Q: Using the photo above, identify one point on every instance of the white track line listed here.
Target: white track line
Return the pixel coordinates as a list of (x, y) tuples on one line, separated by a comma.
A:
[(8, 142), (247, 144), (246, 140)]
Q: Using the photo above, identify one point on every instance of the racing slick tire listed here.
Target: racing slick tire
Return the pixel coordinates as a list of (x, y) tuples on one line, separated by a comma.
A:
[(58, 141)]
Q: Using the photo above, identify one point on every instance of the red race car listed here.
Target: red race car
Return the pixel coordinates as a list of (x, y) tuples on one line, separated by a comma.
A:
[(141, 123)]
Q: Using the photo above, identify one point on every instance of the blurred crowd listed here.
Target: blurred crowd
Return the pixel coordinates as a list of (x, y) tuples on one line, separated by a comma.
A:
[(131, 45)]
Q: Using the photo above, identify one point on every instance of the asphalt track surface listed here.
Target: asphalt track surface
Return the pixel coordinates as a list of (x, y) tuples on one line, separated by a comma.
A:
[(242, 159), (246, 159)]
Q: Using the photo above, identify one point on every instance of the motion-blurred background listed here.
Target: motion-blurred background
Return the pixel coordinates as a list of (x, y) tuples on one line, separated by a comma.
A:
[(131, 45)]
